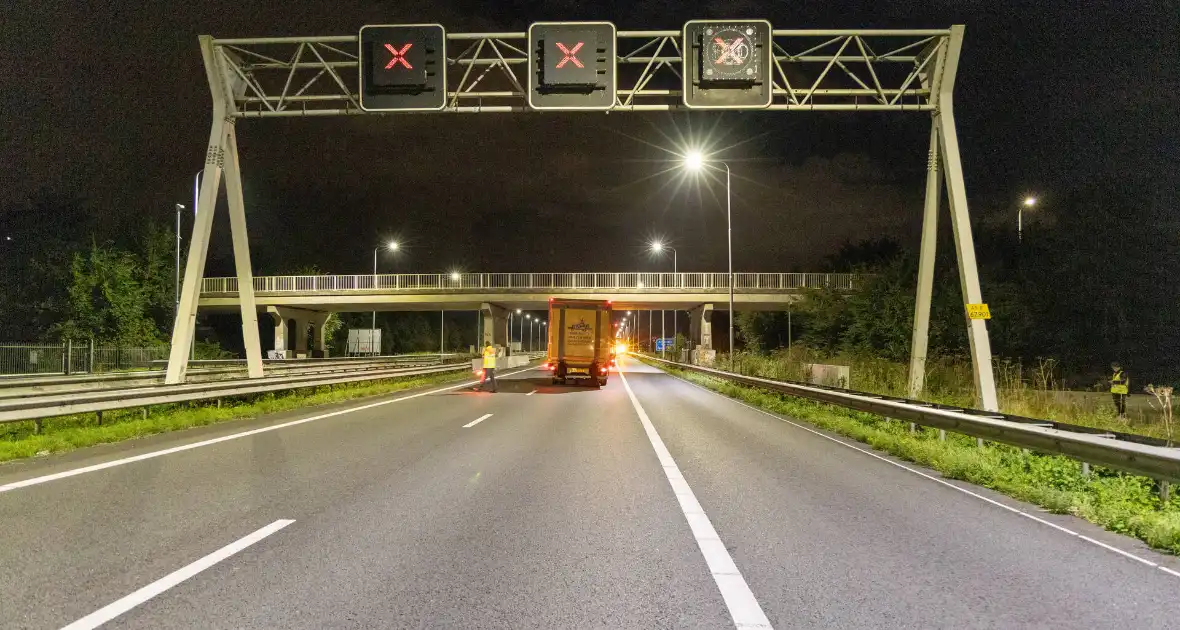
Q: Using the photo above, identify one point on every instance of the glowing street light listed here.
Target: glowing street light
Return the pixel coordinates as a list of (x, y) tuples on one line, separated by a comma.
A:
[(1029, 202), (393, 247), (695, 161)]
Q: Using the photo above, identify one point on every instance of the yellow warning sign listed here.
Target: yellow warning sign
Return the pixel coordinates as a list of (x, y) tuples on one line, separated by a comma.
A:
[(978, 311)]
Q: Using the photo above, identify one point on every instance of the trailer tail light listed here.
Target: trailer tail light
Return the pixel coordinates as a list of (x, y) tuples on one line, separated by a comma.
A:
[(603, 370)]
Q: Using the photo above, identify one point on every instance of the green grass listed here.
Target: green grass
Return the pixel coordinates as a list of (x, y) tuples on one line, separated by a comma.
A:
[(1119, 502), (1031, 391), (20, 440)]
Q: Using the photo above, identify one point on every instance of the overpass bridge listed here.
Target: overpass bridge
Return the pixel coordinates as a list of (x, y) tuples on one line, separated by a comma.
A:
[(301, 303), (470, 291)]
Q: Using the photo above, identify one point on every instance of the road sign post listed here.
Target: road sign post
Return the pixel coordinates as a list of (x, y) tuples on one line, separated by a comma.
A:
[(727, 64), (402, 67), (572, 65)]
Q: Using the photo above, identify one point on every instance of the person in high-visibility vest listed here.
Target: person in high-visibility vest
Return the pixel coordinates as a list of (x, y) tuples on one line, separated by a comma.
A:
[(1120, 386), (489, 366)]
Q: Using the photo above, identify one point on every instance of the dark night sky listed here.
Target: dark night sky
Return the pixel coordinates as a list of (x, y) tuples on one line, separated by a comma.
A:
[(107, 101)]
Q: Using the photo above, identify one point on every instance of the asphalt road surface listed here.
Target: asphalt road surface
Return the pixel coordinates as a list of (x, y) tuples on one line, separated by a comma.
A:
[(651, 503)]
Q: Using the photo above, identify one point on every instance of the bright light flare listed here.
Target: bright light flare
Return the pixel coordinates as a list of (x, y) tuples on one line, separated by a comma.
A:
[(393, 246), (694, 160), (455, 276), (620, 348), (1030, 201)]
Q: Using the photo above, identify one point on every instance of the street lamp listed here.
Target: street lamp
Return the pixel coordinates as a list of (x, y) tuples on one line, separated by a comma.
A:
[(658, 247), (695, 162), (530, 318), (393, 247), (545, 332), (1029, 202), (510, 327), (176, 306)]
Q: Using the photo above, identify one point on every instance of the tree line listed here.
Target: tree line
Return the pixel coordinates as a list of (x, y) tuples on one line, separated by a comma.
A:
[(1094, 280)]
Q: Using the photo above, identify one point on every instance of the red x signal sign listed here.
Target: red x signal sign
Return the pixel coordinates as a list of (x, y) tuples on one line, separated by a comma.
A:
[(734, 52), (570, 54), (398, 56), (572, 65)]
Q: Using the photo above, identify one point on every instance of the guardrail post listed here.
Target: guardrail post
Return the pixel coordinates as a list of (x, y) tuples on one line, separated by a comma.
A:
[(1086, 469), (90, 359), (1165, 491)]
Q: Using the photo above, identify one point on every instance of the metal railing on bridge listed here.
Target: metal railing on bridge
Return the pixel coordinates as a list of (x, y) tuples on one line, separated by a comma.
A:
[(632, 282)]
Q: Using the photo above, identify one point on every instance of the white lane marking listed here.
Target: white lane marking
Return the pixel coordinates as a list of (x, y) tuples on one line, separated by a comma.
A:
[(739, 599), (477, 421), (531, 393), (24, 483), (118, 607), (944, 482)]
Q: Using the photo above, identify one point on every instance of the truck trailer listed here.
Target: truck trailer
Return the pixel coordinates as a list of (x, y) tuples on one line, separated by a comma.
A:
[(581, 347)]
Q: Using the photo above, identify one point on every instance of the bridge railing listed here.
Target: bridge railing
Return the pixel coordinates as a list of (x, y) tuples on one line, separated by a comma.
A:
[(626, 281)]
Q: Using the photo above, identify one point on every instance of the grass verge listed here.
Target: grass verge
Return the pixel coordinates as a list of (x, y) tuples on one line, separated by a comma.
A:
[(66, 433), (1032, 392), (1119, 502)]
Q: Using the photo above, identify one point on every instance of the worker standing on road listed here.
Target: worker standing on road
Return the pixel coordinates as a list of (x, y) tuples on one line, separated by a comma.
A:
[(1120, 386), (489, 366)]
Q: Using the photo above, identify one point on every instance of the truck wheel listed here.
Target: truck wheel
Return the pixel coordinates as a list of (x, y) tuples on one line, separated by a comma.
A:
[(602, 382)]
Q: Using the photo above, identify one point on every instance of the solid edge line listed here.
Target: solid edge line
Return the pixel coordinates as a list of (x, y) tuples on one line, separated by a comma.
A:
[(122, 605), (477, 420), (531, 393), (33, 481), (944, 482), (739, 599)]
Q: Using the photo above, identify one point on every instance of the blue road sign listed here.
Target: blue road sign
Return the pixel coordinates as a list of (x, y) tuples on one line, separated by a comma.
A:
[(665, 344)]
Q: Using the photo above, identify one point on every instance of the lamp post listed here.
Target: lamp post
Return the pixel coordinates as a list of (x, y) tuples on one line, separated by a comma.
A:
[(530, 318), (695, 161), (393, 247), (545, 333), (1029, 202), (176, 307), (176, 300), (658, 247)]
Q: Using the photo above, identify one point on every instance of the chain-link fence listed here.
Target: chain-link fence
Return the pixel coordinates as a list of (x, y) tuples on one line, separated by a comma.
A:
[(75, 358)]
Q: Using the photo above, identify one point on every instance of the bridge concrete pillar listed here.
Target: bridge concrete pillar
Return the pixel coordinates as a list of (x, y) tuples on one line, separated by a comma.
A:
[(303, 319), (319, 343), (495, 325), (281, 343), (700, 324)]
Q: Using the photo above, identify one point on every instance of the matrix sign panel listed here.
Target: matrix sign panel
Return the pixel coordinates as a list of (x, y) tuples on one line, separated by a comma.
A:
[(572, 65), (727, 64), (403, 67)]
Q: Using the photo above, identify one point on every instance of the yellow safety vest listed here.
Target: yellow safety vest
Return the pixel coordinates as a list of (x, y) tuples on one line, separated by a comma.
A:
[(1118, 383), (489, 357)]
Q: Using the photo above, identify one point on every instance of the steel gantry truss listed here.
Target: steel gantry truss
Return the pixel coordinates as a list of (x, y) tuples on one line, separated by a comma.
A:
[(813, 70)]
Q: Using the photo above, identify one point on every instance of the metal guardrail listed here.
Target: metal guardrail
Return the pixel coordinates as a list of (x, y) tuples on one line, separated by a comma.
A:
[(69, 403), (1135, 454), (209, 371), (632, 281)]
